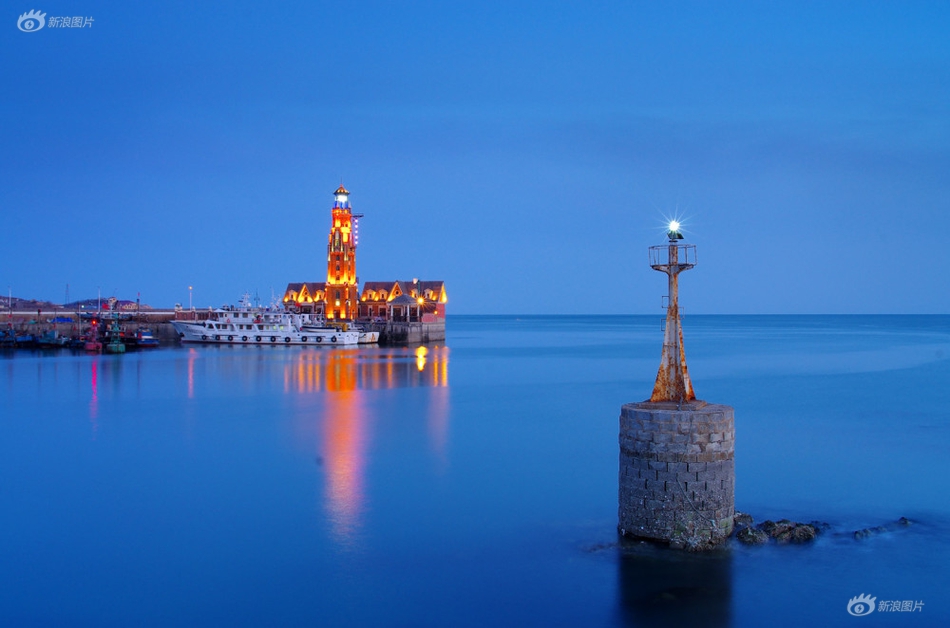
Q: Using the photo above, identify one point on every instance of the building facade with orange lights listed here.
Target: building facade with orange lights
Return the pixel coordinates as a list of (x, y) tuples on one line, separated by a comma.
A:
[(338, 297), (406, 301)]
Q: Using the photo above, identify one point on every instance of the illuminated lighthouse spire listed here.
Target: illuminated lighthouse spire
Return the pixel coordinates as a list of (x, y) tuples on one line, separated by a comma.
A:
[(341, 197), (341, 295)]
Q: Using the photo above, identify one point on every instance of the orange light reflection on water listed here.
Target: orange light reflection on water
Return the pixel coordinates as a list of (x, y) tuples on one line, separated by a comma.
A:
[(421, 353), (344, 378), (438, 417), (342, 432), (344, 438), (361, 369)]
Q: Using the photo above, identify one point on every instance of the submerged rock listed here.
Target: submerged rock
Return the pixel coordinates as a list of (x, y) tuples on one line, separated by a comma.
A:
[(782, 531), (786, 531), (864, 533), (751, 536), (742, 520), (820, 526), (776, 528), (800, 533)]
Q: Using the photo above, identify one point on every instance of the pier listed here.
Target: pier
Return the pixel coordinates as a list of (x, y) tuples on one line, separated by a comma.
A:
[(403, 333), (72, 324), (36, 324)]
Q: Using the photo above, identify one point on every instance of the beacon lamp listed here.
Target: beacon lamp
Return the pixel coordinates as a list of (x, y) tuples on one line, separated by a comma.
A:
[(674, 231)]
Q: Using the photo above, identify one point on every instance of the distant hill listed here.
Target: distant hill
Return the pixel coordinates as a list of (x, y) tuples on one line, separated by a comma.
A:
[(19, 305), (121, 305)]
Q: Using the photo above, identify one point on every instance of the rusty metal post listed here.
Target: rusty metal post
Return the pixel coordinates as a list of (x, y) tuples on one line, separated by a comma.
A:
[(672, 378)]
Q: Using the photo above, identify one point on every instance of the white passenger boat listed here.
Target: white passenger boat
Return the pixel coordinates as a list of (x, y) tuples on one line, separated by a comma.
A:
[(246, 325), (365, 336), (368, 337)]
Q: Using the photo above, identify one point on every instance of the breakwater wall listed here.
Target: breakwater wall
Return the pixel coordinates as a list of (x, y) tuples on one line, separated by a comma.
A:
[(37, 324), (405, 333)]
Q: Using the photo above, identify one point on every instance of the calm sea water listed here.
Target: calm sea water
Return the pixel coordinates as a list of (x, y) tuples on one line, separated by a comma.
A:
[(474, 484)]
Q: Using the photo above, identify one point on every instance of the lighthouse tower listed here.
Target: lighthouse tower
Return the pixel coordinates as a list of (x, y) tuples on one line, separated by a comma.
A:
[(341, 289), (677, 452)]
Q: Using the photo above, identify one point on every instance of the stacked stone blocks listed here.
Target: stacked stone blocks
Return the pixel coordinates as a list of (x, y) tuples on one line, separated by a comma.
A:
[(677, 473)]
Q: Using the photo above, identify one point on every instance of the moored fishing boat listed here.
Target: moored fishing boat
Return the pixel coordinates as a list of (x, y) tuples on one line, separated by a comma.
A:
[(52, 339), (144, 338), (25, 340), (92, 344), (114, 340), (368, 337)]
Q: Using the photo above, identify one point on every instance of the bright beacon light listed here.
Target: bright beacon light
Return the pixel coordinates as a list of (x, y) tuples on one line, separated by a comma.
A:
[(674, 231)]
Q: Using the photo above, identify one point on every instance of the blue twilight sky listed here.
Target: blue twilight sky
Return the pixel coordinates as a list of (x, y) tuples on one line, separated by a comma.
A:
[(526, 153)]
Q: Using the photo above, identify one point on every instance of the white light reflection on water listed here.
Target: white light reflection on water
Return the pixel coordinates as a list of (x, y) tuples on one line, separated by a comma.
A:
[(192, 356)]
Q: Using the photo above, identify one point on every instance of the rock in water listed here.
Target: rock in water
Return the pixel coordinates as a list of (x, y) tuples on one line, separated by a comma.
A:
[(800, 533), (775, 529), (903, 522), (783, 531), (743, 520), (751, 536)]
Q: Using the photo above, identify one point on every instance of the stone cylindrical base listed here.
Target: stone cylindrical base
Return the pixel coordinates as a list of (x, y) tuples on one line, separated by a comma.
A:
[(677, 473)]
